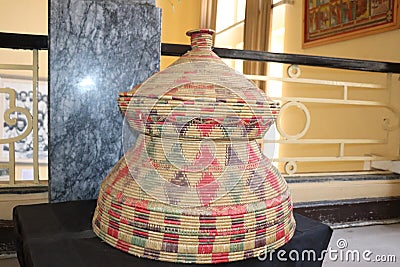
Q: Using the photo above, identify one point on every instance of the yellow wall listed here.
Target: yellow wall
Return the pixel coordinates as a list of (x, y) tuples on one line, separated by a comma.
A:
[(383, 46), (29, 17), (339, 121), (25, 16), (177, 18), (339, 190), (9, 201), (184, 15)]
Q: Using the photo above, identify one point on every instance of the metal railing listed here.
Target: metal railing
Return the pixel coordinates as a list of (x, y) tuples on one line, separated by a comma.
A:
[(13, 112), (293, 78), (35, 43), (300, 103)]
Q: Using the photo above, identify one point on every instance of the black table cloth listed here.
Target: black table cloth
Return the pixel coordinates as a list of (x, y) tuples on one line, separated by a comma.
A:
[(60, 234)]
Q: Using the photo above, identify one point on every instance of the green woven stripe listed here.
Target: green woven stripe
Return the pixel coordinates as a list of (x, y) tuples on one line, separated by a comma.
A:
[(138, 241), (237, 247)]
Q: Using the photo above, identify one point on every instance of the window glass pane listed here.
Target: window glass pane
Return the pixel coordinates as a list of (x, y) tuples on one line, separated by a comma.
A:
[(241, 10), (226, 14)]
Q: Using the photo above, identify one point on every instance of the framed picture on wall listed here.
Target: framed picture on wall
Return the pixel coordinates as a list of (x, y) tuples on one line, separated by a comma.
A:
[(327, 21)]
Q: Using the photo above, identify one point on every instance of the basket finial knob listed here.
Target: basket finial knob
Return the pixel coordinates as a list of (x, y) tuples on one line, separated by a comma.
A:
[(201, 38)]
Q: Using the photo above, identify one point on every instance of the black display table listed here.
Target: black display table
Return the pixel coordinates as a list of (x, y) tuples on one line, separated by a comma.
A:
[(60, 234)]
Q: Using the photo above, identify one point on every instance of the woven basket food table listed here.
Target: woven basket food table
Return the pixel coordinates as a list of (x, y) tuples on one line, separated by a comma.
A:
[(195, 186), (64, 231)]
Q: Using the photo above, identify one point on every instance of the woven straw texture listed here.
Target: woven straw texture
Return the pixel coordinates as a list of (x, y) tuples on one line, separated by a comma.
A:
[(195, 186)]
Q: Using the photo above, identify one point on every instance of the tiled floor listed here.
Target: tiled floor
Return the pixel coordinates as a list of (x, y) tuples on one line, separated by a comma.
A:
[(346, 244), (372, 241)]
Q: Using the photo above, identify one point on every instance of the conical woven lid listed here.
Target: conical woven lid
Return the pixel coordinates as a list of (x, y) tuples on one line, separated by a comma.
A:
[(199, 86), (195, 186)]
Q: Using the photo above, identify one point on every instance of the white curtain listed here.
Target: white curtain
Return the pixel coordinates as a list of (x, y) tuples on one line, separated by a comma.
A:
[(208, 14), (256, 34)]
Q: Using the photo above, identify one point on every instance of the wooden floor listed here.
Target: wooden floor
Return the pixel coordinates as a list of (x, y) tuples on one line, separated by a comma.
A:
[(7, 244), (7, 239), (9, 262)]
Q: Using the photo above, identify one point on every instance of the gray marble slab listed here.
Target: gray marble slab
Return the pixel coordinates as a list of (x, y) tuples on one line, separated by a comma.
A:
[(97, 49)]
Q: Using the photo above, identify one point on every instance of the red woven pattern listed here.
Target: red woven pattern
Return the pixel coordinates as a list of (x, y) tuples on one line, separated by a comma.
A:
[(195, 187)]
